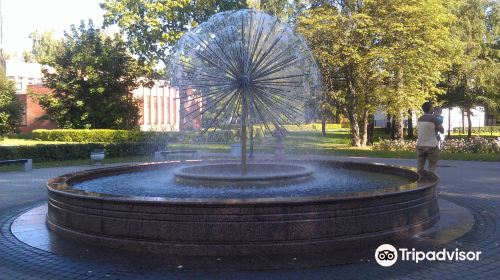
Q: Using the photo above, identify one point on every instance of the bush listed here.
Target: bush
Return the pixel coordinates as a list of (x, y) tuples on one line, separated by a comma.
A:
[(87, 135), (52, 152), (122, 136), (475, 145), (302, 127), (395, 145), (476, 130)]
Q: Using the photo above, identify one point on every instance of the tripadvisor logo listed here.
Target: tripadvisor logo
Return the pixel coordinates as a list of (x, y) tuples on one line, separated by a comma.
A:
[(387, 255)]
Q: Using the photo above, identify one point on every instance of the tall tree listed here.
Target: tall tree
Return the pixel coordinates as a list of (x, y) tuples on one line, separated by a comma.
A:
[(11, 109), (414, 46), (92, 78), (379, 52), (339, 36), (474, 78), (43, 49), (152, 27)]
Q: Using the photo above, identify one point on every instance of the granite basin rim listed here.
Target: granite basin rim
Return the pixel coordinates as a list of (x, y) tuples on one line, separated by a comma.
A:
[(62, 185), (242, 226)]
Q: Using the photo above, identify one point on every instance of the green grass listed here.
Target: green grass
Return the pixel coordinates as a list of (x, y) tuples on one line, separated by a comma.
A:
[(335, 143)]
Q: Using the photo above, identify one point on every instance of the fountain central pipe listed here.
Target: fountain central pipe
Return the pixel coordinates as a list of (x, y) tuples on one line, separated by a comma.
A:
[(243, 136)]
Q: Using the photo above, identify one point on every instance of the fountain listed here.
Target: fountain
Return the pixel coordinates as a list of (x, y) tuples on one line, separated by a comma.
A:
[(243, 65)]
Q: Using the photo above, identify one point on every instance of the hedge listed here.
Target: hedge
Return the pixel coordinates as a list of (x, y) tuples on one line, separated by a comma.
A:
[(303, 127), (52, 152), (475, 130), (87, 135), (122, 136)]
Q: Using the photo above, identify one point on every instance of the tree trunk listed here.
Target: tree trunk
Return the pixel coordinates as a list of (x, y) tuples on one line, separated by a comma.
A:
[(469, 123), (371, 128), (355, 139), (463, 121), (397, 127), (354, 132), (410, 124), (449, 122), (388, 124), (323, 124), (364, 128)]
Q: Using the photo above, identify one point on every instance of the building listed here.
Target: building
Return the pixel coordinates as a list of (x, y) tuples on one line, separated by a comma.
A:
[(453, 118), (161, 106), (23, 74), (159, 110), (28, 78)]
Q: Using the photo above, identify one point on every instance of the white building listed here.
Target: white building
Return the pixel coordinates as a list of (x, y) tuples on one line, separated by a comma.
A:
[(453, 118), (23, 74)]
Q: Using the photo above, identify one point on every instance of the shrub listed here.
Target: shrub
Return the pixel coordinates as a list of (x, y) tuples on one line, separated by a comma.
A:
[(121, 136), (475, 145), (51, 152), (86, 135), (476, 130), (395, 145)]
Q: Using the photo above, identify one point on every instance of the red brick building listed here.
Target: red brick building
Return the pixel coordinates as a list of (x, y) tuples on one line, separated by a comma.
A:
[(161, 109), (35, 117)]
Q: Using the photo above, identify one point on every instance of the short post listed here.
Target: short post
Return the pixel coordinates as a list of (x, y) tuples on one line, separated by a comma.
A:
[(28, 165), (279, 146), (158, 156)]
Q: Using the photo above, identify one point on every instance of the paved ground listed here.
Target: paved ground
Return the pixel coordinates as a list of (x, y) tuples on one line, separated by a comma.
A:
[(474, 185)]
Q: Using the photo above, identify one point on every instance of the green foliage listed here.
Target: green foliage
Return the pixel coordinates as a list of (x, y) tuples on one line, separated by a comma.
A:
[(474, 78), (474, 145), (152, 27), (483, 130), (283, 9), (11, 109), (51, 152), (87, 135), (44, 47), (121, 136), (92, 79), (378, 53)]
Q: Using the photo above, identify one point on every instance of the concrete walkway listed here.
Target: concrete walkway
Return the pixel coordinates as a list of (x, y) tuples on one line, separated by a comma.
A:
[(474, 185)]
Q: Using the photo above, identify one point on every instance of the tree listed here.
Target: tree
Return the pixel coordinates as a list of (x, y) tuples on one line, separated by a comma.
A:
[(92, 78), (11, 109), (379, 52), (44, 47), (474, 78), (339, 36), (153, 27), (414, 46)]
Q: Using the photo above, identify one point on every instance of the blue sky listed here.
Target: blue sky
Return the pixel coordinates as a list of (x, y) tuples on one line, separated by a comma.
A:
[(21, 17)]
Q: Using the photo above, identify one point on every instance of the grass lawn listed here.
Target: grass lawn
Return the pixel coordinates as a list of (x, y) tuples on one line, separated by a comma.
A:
[(297, 142)]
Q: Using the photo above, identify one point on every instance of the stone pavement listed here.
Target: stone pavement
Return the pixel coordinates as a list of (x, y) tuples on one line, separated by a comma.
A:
[(474, 185)]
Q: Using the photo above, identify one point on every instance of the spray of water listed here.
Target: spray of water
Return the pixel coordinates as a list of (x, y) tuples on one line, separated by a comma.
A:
[(245, 65)]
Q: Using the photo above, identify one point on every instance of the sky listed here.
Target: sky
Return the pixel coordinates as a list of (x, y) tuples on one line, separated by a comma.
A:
[(21, 17)]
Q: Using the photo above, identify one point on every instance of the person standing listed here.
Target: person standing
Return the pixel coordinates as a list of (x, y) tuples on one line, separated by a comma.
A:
[(427, 143)]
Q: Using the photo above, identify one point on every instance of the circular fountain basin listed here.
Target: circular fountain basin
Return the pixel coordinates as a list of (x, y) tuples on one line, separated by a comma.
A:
[(142, 207), (230, 174)]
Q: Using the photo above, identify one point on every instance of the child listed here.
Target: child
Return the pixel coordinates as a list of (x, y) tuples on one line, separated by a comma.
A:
[(437, 113)]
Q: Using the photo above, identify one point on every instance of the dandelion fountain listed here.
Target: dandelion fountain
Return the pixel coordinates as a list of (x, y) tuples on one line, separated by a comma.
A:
[(243, 65)]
